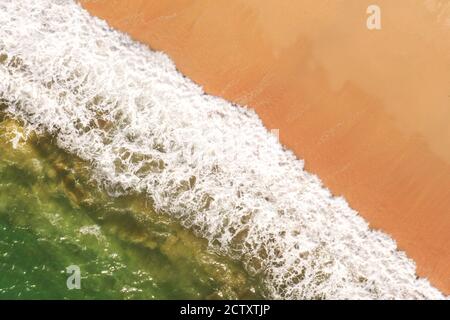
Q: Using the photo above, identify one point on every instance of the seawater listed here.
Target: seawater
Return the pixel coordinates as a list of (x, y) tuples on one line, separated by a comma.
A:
[(145, 129), (53, 216)]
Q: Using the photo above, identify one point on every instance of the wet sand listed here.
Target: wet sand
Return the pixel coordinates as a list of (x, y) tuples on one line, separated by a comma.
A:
[(369, 111)]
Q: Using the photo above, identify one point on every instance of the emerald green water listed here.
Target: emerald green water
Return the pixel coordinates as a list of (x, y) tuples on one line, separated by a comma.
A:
[(52, 216)]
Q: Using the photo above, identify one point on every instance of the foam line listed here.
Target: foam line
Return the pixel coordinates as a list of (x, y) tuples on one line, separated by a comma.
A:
[(211, 164)]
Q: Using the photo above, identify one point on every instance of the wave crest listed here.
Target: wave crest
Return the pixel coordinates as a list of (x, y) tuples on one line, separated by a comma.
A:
[(211, 164)]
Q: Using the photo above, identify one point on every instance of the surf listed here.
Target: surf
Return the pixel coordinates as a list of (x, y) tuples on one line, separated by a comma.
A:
[(145, 128)]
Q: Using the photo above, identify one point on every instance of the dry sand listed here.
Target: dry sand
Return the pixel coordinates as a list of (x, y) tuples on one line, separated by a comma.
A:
[(369, 111)]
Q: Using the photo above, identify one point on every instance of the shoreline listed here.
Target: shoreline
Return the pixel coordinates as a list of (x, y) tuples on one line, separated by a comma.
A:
[(144, 127), (363, 136)]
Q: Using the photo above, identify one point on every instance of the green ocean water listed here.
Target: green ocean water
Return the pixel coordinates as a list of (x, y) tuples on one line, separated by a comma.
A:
[(53, 216)]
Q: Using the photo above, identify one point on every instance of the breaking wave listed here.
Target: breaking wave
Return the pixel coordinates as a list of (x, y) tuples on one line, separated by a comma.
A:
[(210, 164)]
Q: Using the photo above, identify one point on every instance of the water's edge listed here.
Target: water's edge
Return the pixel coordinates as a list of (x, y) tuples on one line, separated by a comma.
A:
[(146, 129)]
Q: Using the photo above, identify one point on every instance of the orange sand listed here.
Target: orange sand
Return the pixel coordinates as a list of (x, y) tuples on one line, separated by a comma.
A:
[(369, 111)]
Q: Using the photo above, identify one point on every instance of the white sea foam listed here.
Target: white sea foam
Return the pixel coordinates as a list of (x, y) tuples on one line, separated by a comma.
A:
[(209, 163)]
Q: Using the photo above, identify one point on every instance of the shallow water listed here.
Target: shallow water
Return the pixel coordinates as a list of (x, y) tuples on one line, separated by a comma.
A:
[(143, 127), (52, 216), (368, 111)]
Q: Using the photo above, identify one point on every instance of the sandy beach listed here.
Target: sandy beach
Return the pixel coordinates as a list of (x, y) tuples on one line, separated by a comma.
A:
[(368, 110)]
